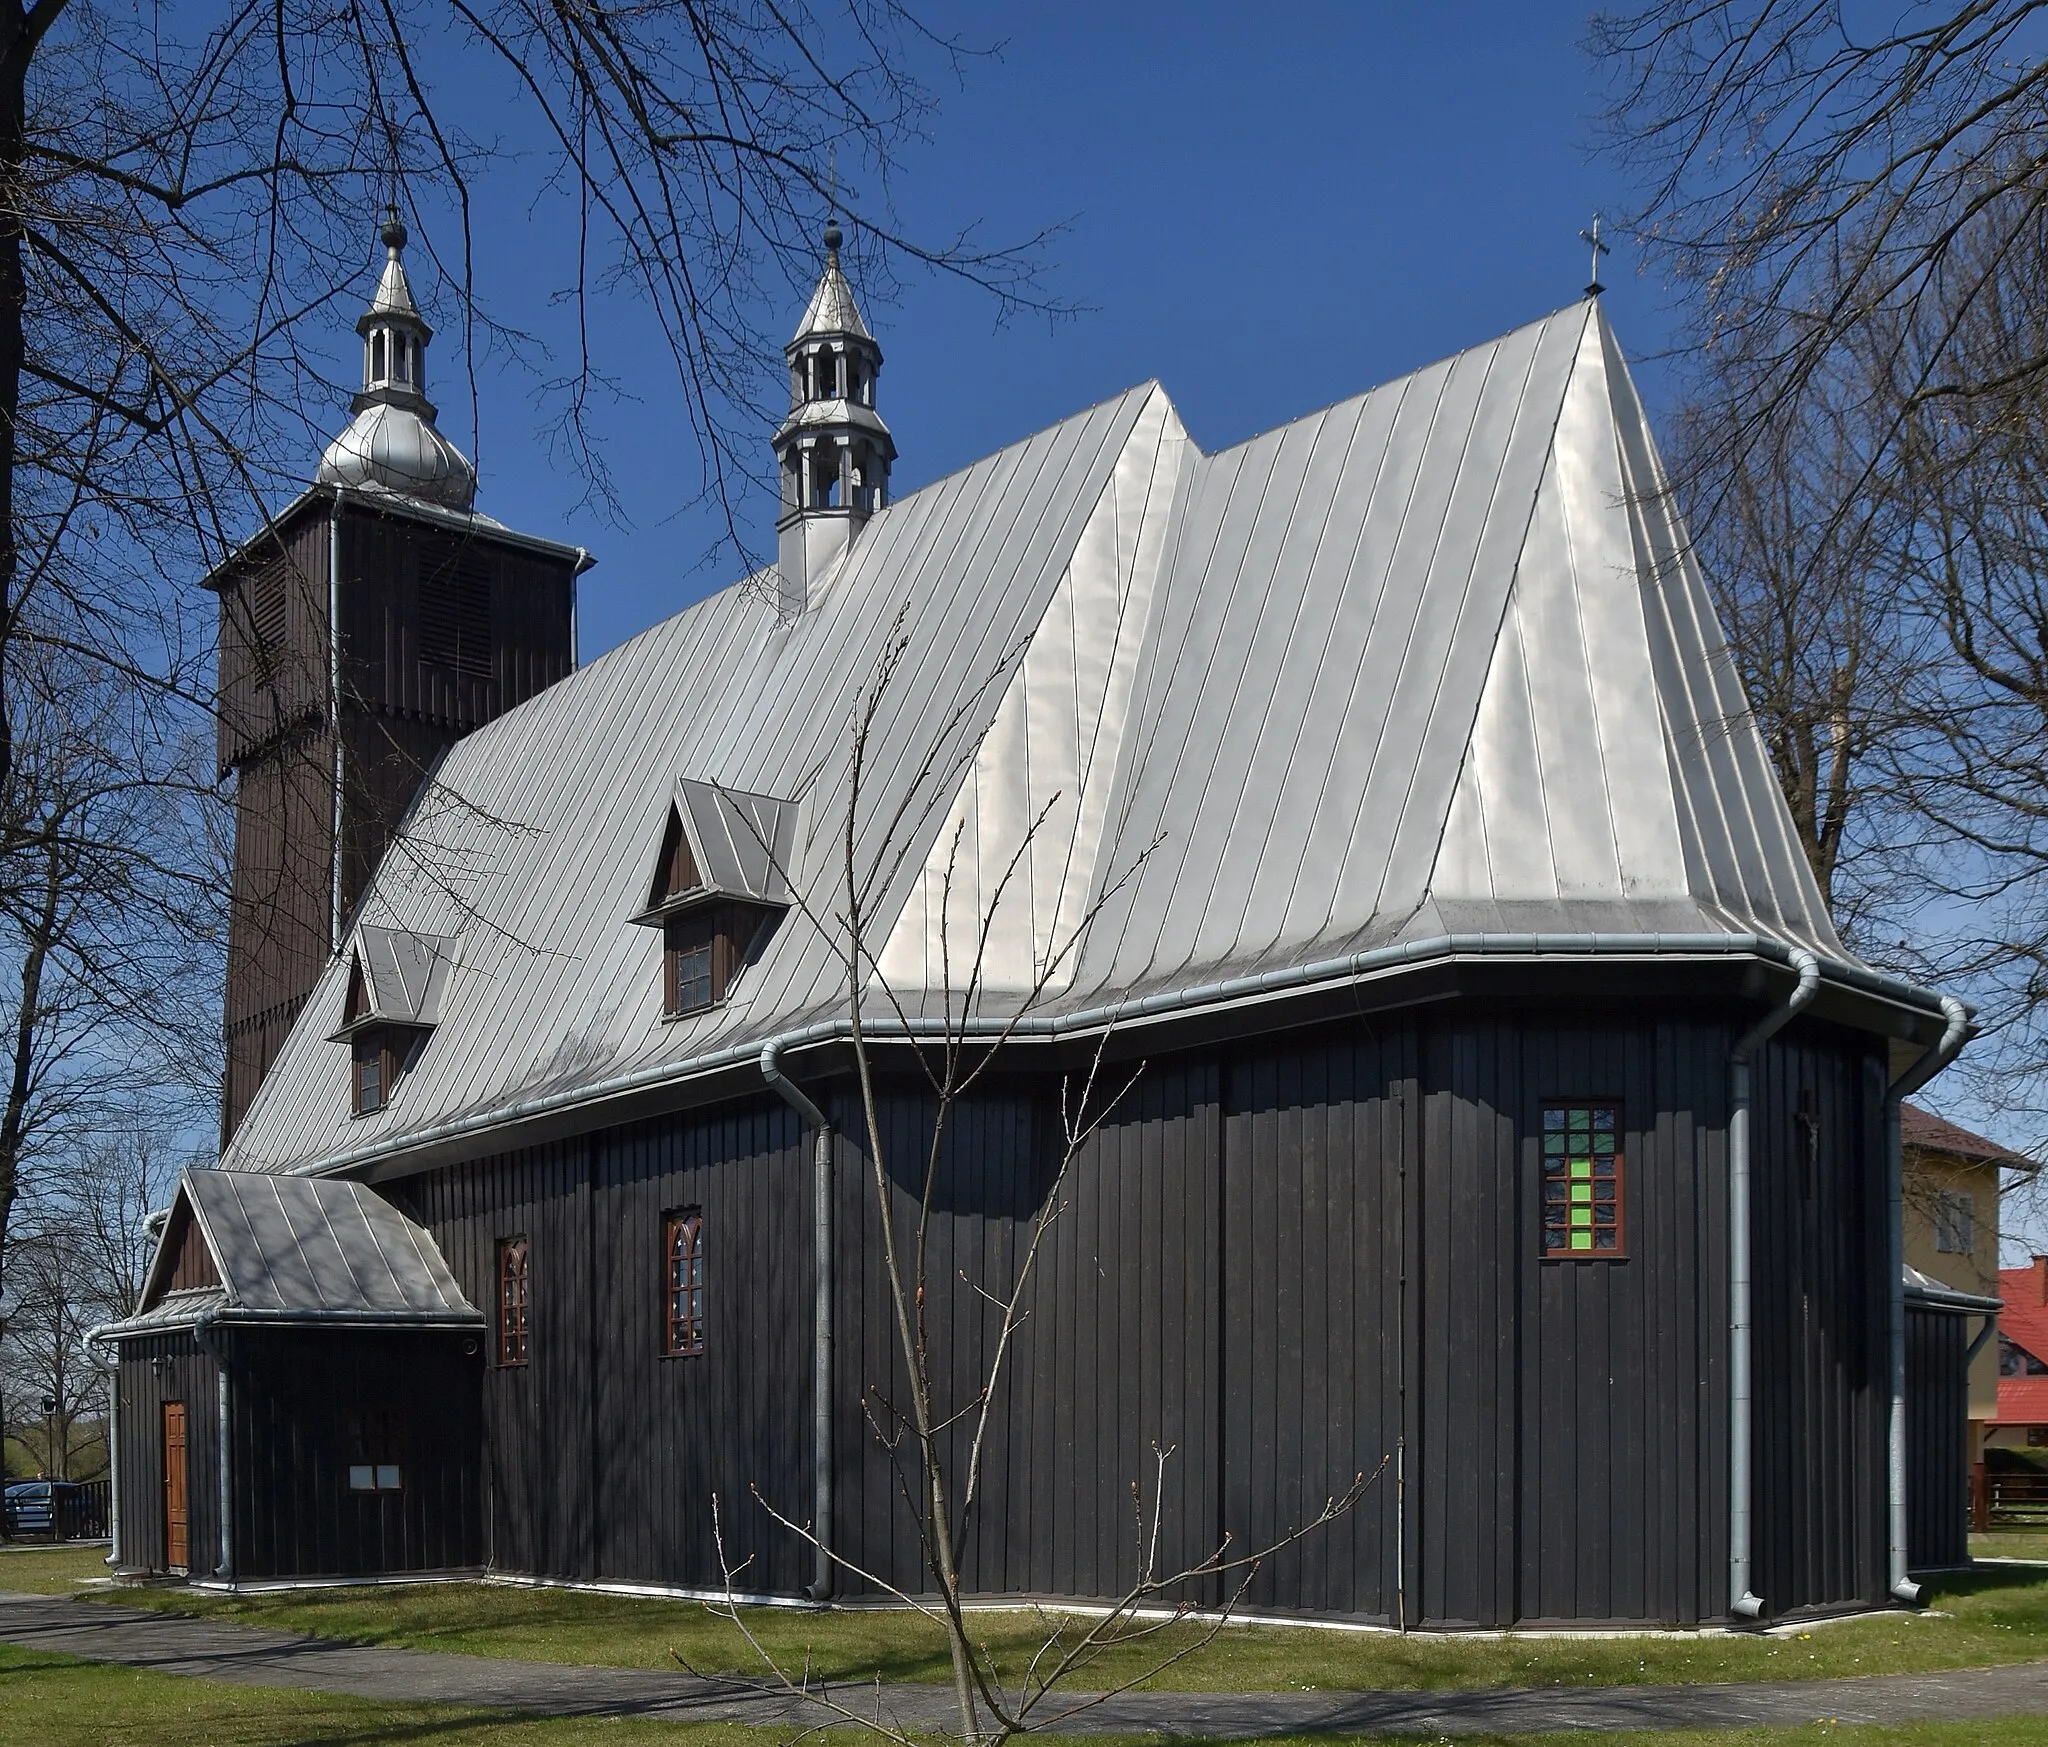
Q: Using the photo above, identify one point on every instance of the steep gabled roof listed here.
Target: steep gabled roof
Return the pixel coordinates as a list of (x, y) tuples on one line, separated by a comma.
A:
[(1435, 660), (299, 1250)]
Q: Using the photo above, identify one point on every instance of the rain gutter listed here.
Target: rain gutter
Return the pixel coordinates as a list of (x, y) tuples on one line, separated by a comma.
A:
[(1219, 996), (820, 1586), (1743, 1601), (1903, 1588)]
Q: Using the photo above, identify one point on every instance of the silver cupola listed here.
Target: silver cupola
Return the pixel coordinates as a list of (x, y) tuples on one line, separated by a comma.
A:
[(833, 451), (392, 444)]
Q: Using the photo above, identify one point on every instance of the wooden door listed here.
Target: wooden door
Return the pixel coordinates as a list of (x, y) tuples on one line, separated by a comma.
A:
[(177, 1521)]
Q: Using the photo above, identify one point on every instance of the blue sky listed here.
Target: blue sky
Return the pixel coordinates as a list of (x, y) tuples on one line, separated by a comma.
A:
[(1267, 211)]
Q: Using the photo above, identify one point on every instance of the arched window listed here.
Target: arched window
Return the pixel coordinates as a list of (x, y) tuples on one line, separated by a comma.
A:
[(683, 1250), (377, 356), (512, 1300)]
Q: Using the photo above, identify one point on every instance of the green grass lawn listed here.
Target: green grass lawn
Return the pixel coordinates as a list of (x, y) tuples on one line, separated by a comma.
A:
[(43, 1570), (2010, 1544), (1988, 1616), (55, 1701)]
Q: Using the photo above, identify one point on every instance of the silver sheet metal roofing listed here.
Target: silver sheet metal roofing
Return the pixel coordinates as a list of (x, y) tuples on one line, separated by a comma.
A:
[(1434, 660), (303, 1249)]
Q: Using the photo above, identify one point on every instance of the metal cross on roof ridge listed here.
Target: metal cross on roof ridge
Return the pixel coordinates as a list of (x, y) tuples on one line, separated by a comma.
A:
[(1593, 285)]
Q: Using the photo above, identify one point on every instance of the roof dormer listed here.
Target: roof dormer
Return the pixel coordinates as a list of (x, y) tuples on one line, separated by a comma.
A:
[(718, 884)]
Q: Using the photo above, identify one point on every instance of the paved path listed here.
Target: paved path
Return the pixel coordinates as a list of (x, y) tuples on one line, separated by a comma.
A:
[(255, 1656)]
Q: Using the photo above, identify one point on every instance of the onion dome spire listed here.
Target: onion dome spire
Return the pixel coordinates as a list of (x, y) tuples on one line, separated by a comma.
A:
[(392, 445), (833, 451)]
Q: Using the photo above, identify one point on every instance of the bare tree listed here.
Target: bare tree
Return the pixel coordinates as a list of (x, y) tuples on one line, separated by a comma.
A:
[(941, 1434), (186, 196), (1816, 176)]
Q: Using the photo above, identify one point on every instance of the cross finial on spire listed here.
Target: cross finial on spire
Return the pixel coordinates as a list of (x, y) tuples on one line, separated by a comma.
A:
[(1593, 285)]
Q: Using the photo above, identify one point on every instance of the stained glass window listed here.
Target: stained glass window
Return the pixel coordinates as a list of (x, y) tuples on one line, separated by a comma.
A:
[(1583, 1176), (685, 1249)]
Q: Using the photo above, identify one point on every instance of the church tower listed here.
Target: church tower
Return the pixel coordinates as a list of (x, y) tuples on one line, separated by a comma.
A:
[(372, 624), (833, 451)]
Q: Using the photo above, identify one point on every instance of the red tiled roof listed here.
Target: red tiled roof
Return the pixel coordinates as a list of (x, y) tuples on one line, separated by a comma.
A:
[(2024, 1322), (1922, 1128), (2022, 1401)]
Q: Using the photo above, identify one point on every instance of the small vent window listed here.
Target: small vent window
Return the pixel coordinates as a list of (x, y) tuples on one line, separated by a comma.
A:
[(376, 1451), (455, 610)]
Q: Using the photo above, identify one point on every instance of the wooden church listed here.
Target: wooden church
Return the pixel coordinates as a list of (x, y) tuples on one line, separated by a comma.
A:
[(1511, 1125)]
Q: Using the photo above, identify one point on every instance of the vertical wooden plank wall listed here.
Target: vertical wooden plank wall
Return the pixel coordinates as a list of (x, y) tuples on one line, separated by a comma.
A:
[(1280, 1264), (1823, 1376), (190, 1376), (294, 1392)]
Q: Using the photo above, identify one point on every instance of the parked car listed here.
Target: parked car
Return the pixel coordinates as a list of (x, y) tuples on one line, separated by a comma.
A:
[(65, 1509)]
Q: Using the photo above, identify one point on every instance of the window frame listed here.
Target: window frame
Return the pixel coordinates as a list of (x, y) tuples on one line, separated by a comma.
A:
[(1567, 1176), (682, 1280), (378, 1436), (1955, 1216), (512, 1347)]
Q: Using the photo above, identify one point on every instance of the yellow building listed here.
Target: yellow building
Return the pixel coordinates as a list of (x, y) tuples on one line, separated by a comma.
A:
[(1951, 1229)]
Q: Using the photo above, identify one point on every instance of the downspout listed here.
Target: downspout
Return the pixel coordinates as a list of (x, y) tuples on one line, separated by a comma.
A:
[(112, 1368), (1744, 1603), (1953, 1037), (334, 720), (820, 1586), (208, 1341)]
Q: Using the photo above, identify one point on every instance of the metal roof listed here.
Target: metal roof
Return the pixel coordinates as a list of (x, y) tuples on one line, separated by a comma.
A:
[(743, 845), (403, 974), (1436, 659), (304, 1249)]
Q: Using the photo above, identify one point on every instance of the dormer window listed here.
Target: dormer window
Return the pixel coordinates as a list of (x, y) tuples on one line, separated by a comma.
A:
[(719, 882), (395, 981)]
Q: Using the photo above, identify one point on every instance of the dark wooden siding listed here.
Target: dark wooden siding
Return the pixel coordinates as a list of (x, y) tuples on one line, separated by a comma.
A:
[(402, 582), (1937, 1438), (440, 632), (1319, 1151), (1570, 1454), (1287, 1265), (292, 1395), (1820, 1299), (156, 1369), (273, 641), (603, 1454)]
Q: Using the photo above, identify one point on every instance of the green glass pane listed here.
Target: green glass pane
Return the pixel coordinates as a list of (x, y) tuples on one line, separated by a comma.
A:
[(1582, 1192), (1582, 1240), (1553, 1143), (1582, 1216), (1581, 1120), (1582, 1167)]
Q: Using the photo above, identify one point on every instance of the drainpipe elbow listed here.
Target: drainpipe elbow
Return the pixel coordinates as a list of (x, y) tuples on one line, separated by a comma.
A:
[(1907, 1591), (1748, 1606)]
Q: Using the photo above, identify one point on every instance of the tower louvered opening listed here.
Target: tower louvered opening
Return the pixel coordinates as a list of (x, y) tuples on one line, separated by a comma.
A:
[(455, 609)]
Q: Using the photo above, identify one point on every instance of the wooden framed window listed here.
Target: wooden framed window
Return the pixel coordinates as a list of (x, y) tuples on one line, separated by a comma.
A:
[(378, 1059), (376, 1451), (683, 1270), (370, 1073), (1585, 1198), (701, 950), (514, 1257)]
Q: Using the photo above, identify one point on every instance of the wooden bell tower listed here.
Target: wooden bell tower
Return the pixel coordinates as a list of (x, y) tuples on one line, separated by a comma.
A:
[(369, 627)]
